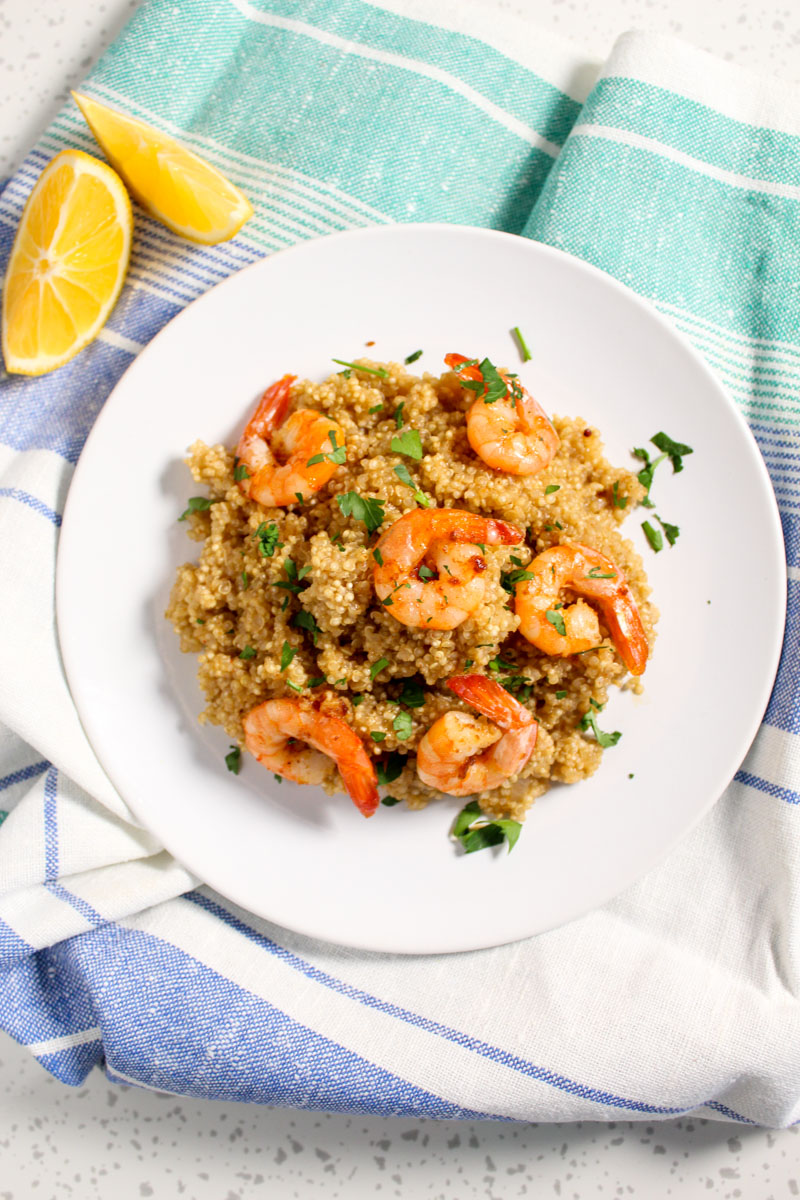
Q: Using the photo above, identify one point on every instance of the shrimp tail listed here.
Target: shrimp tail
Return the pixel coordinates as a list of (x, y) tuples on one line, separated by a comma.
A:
[(362, 784), (455, 363), (272, 407), (493, 701)]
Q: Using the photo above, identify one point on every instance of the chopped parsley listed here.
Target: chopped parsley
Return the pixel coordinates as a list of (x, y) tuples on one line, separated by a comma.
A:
[(376, 408), (510, 579), (200, 620), (233, 760), (240, 472), (337, 455), (475, 831), (468, 663), (247, 653), (671, 532), (674, 451), (402, 725), (398, 415), (500, 664), (245, 581), (317, 681), (196, 504), (426, 573), (376, 554), (355, 700), (523, 345), (589, 721), (377, 737), (390, 801), (653, 536), (562, 695), (619, 501), (304, 620), (357, 367), (390, 768), (557, 621), (412, 695), (596, 573), (361, 508), (519, 686), (287, 654), (293, 582), (267, 539), (411, 358), (402, 473), (408, 443), (552, 487), (377, 667)]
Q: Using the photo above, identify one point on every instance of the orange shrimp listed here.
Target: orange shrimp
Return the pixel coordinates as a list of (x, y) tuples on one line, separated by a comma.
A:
[(283, 473), (512, 433), (292, 738), (429, 565), (590, 574), (460, 756)]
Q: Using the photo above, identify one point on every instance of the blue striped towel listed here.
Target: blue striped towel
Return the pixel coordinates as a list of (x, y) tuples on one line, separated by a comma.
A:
[(675, 173)]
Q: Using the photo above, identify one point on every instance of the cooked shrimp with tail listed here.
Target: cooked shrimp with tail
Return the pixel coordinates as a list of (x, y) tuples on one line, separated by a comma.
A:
[(460, 755), (430, 564), (560, 628), (293, 738), (286, 461), (506, 427)]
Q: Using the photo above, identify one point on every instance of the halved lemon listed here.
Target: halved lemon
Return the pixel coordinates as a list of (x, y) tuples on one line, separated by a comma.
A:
[(67, 264), (175, 186)]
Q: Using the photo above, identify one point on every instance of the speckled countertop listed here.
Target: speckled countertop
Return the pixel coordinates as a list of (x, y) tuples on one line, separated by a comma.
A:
[(97, 1141)]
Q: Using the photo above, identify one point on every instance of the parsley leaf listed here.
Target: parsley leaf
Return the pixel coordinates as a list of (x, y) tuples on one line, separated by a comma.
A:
[(377, 737), (233, 760), (552, 487), (496, 386), (675, 450), (408, 443), (589, 721), (619, 501), (412, 695), (377, 667), (510, 579), (475, 831), (596, 573), (562, 695), (287, 654), (390, 801), (402, 473), (398, 414), (240, 472), (247, 653), (557, 621), (653, 536), (358, 367), (390, 768), (402, 725), (411, 358), (304, 620), (361, 508), (672, 532), (267, 537), (197, 504)]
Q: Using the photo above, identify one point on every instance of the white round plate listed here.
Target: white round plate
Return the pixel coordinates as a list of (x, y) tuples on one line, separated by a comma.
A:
[(310, 861)]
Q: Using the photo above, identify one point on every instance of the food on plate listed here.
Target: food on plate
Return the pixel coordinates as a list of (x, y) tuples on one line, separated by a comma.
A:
[(460, 756), (67, 264), (177, 187), (369, 586)]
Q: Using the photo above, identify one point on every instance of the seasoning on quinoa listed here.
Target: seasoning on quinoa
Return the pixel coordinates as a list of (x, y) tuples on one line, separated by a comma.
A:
[(326, 551)]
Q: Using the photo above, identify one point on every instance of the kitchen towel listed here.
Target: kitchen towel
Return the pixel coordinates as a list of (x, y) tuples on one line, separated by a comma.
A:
[(673, 172)]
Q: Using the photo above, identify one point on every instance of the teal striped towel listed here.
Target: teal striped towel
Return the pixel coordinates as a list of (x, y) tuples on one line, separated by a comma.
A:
[(678, 175)]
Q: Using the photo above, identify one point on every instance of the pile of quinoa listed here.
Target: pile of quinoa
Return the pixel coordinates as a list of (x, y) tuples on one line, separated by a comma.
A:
[(272, 584)]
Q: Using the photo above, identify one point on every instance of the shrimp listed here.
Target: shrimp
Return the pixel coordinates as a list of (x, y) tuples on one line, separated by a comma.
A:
[(282, 473), (590, 574), (512, 433), (429, 565), (292, 739), (459, 755)]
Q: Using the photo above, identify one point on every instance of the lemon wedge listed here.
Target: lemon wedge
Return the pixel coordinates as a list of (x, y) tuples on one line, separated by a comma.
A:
[(67, 264), (175, 186)]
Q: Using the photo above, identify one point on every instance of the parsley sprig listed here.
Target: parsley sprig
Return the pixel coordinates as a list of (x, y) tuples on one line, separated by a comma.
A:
[(196, 504), (589, 721), (267, 539), (475, 831), (362, 508)]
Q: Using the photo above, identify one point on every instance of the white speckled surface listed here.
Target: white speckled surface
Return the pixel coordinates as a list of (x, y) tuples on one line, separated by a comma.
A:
[(55, 1141)]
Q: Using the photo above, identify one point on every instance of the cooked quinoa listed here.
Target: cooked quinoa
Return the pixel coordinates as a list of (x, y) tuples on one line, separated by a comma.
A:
[(301, 577)]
